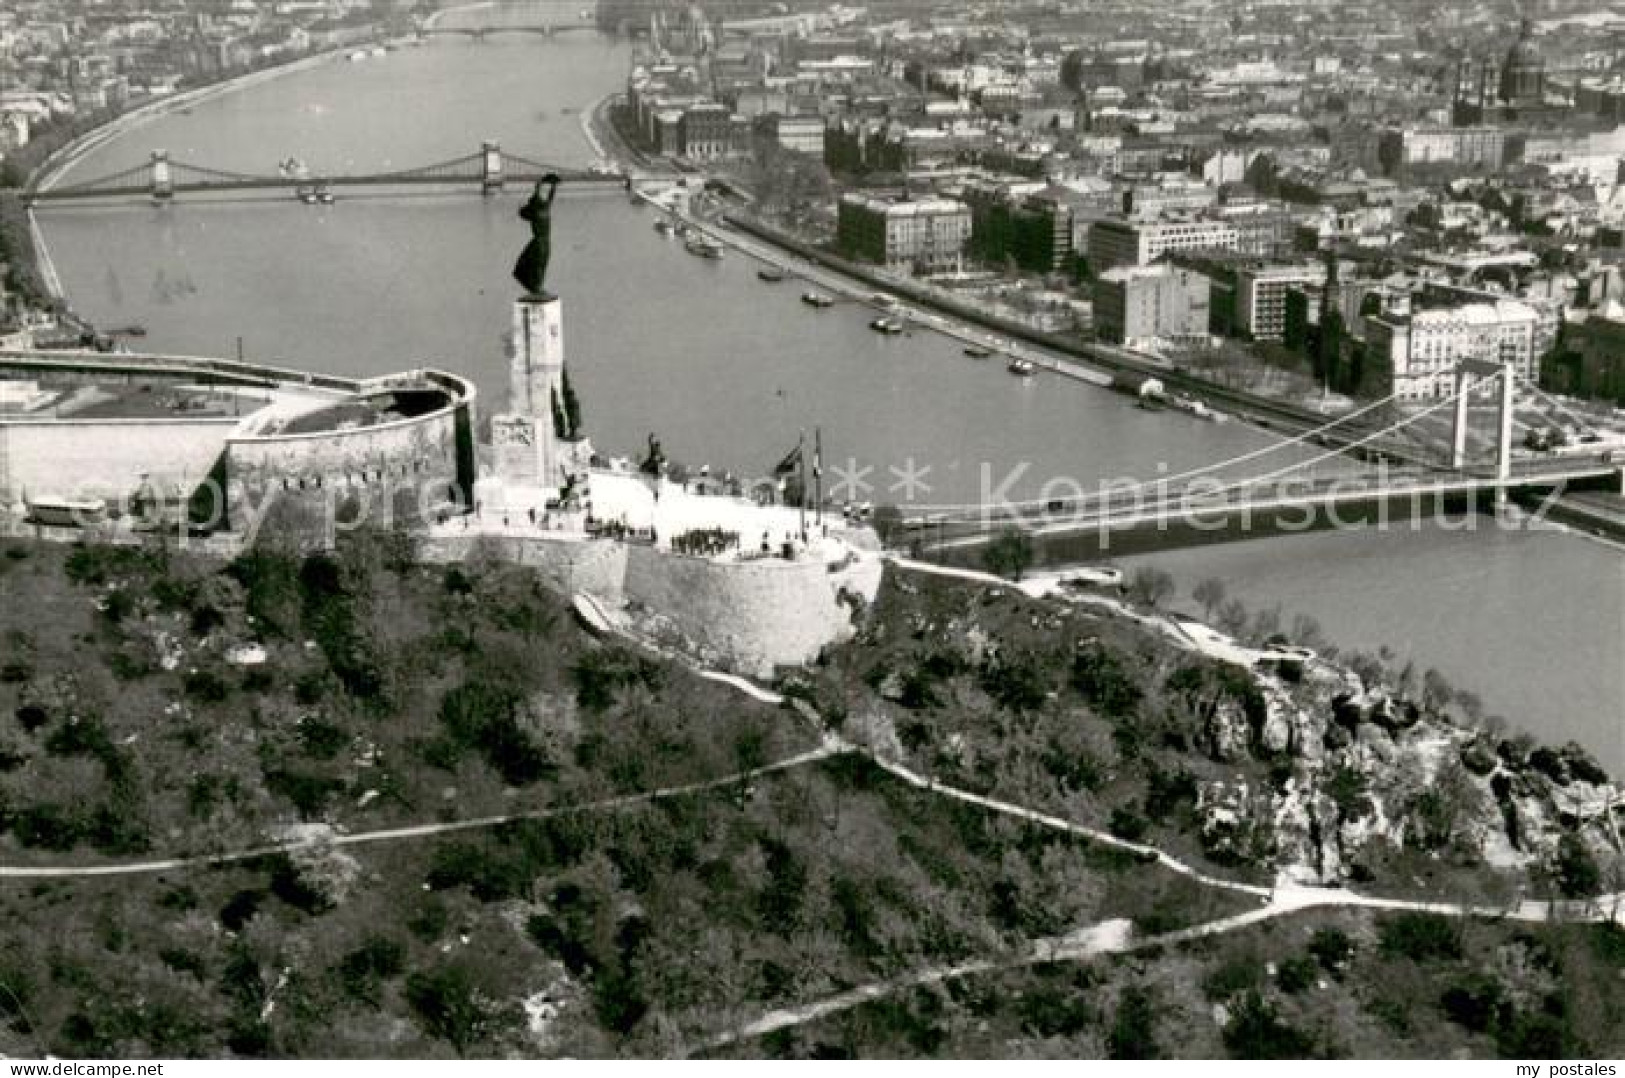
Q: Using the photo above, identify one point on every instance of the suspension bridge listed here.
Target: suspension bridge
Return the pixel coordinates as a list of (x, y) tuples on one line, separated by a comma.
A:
[(162, 177), (490, 18), (1376, 460), (480, 33)]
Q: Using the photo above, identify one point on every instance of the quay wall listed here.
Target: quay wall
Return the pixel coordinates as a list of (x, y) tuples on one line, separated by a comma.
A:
[(1404, 511)]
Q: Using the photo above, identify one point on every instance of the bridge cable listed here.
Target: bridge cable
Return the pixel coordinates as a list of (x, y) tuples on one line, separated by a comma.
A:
[(1194, 472), (1586, 425), (1407, 421)]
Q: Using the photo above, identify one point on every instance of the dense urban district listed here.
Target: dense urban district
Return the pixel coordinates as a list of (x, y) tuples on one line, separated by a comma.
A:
[(577, 767)]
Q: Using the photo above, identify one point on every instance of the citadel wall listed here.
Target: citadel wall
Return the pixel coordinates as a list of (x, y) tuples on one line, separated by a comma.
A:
[(107, 458)]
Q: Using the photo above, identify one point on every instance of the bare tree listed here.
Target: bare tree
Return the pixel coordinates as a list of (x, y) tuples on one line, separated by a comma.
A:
[(1210, 593), (1150, 586)]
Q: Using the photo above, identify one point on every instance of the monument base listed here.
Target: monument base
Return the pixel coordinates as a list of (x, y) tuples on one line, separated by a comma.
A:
[(517, 444)]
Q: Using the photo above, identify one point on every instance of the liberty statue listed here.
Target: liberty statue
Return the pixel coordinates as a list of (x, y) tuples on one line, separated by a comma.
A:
[(531, 268)]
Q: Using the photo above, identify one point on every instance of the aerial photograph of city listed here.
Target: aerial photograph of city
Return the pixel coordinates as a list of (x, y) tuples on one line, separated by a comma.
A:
[(721, 530)]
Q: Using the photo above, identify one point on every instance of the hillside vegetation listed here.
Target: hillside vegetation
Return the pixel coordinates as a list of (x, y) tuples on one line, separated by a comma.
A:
[(680, 860)]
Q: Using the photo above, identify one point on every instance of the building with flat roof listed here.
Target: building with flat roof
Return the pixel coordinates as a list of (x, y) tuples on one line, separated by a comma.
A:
[(1137, 305), (914, 235), (802, 134), (1261, 291), (1417, 353), (1116, 242)]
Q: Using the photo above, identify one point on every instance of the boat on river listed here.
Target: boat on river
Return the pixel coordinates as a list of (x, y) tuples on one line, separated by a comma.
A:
[(1021, 368), (887, 326), (817, 300), (770, 274), (699, 245), (978, 351)]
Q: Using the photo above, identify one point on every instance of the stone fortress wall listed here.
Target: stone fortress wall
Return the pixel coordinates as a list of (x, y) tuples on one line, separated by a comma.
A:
[(747, 616), (596, 566), (113, 457), (106, 458), (421, 460)]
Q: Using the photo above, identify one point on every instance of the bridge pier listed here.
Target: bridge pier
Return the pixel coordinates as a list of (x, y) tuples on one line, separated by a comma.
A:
[(163, 182), (1487, 370), (490, 166), (1458, 432)]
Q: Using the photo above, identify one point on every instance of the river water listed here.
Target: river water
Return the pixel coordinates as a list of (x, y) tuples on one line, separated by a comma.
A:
[(727, 369)]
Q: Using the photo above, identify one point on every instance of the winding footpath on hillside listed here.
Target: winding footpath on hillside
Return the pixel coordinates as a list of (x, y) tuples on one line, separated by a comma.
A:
[(324, 837), (1112, 937)]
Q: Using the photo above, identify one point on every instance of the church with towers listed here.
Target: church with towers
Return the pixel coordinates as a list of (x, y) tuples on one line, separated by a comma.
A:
[(1513, 90)]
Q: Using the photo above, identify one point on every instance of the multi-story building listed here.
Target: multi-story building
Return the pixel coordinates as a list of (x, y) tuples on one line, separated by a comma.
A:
[(1261, 291), (1139, 243), (1591, 359), (1136, 305), (709, 130), (802, 134), (1478, 146), (916, 235), (1263, 229), (1416, 354), (1029, 222)]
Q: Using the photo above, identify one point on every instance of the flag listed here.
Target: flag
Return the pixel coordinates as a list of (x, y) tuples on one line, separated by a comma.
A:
[(790, 464)]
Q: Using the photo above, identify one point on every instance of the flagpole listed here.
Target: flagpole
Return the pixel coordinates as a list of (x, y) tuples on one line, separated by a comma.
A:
[(801, 462), (818, 473)]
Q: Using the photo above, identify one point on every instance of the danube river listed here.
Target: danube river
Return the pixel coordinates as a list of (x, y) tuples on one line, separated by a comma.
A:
[(726, 369)]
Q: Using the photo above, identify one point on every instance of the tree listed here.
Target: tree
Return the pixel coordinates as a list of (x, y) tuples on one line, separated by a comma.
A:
[(449, 1006), (1072, 70), (1257, 1032), (1296, 335), (1133, 1032), (561, 428), (1210, 593), (1573, 869), (572, 409), (1010, 554), (1150, 586)]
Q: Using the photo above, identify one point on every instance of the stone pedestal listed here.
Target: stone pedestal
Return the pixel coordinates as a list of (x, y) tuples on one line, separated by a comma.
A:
[(525, 445)]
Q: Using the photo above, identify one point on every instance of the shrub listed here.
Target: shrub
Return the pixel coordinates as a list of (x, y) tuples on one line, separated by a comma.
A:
[(1476, 1002), (1257, 1032), (1127, 824), (1421, 937), (1296, 974), (1235, 975), (362, 970), (1133, 1031), (1150, 586), (1009, 555), (601, 674), (1332, 948), (1105, 684), (1169, 794), (207, 686), (485, 716), (1537, 1035), (308, 790), (1018, 681), (448, 1005), (1574, 870), (491, 871)]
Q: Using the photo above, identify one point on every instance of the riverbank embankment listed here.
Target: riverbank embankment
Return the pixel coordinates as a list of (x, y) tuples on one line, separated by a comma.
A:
[(1269, 413)]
